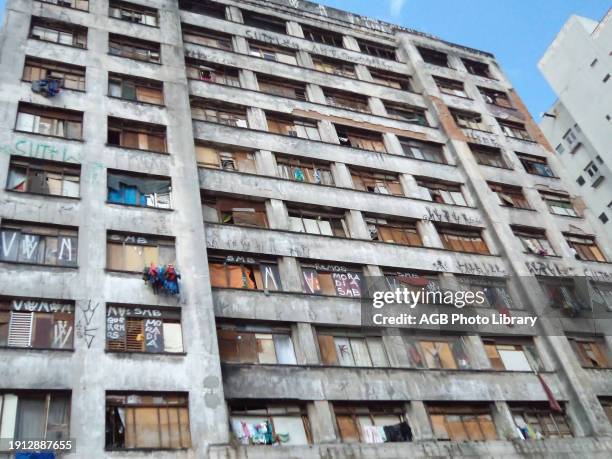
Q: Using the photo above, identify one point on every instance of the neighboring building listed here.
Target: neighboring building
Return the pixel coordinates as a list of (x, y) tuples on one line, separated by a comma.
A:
[(279, 154), (578, 66)]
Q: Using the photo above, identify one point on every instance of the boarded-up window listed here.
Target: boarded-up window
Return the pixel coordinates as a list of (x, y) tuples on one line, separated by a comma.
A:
[(132, 12), (129, 252), (334, 66), (462, 240), (218, 157), (135, 89), (317, 222), (437, 353), (509, 196), (235, 212), (36, 414), (256, 344), (462, 423), (136, 134), (35, 176), (425, 151), (442, 192), (512, 357), (206, 37), (394, 232), (374, 182), (236, 271), (591, 352), (331, 280), (360, 138), (212, 73), (69, 76), (585, 247), (350, 349), (391, 79), (371, 423), (293, 127), (272, 53)]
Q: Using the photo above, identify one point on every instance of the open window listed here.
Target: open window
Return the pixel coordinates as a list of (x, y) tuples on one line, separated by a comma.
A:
[(205, 7), (477, 68), (462, 422), (509, 195), (425, 151), (264, 21), (272, 53), (451, 87), (376, 182), (442, 192), (371, 423), (138, 190), (559, 203), (325, 37), (536, 420), (256, 343), (394, 231), (281, 87), (391, 79), (63, 33), (561, 294), (469, 120), (212, 73), (591, 351), (406, 113), (442, 352), (136, 134), (349, 348), (134, 252), (514, 129), (334, 280), (431, 56), (313, 220), (245, 272), (463, 239), (360, 138), (206, 37), (536, 165), (412, 281), (294, 127), (488, 156), (304, 170), (508, 354), (585, 248), (496, 293), (133, 12), (345, 99), (494, 97), (82, 5), (334, 66), (135, 89), (56, 122), (533, 240), (28, 175), (69, 76), (134, 48), (219, 112), (221, 157), (230, 211), (376, 49)]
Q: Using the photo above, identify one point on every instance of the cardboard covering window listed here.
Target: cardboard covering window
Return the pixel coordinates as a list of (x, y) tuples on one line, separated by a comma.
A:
[(438, 354)]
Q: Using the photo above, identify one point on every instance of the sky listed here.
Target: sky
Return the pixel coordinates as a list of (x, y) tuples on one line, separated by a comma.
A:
[(516, 31)]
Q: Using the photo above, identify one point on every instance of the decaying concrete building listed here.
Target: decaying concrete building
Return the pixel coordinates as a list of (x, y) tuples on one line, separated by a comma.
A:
[(276, 155)]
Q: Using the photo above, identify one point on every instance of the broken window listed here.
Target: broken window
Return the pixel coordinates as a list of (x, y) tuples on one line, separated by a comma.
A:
[(317, 222), (220, 157), (143, 329), (440, 353), (325, 37), (469, 120), (77, 4), (133, 12), (147, 420), (559, 203), (488, 156), (533, 240), (345, 99), (406, 113), (263, 21), (452, 87), (135, 252), (212, 73), (206, 37), (246, 272), (509, 354), (351, 349), (514, 130), (463, 240), (136, 134), (376, 182), (393, 231), (281, 87), (134, 48), (28, 175), (509, 196), (138, 190), (54, 31), (377, 49), (442, 192), (536, 420), (462, 422), (36, 323), (206, 7), (585, 247), (334, 66), (287, 423), (391, 79), (562, 295), (234, 211), (256, 344), (371, 423), (477, 68), (601, 295), (135, 89), (304, 170), (431, 56), (425, 151), (536, 165), (33, 243), (499, 98), (40, 415), (293, 127), (592, 352), (360, 138), (414, 281), (56, 122), (334, 280), (496, 294), (272, 53), (70, 76), (219, 112)]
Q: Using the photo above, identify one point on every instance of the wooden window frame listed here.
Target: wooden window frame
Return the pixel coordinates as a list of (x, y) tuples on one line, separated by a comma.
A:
[(325, 280), (121, 239), (585, 247), (510, 196), (62, 115), (489, 156), (429, 151), (228, 209), (322, 36), (406, 113), (334, 66), (264, 21), (205, 7), (61, 71), (73, 4), (346, 100), (360, 139), (437, 190), (212, 38), (469, 240), (251, 335), (287, 86), (391, 79), (31, 166), (383, 229), (470, 120), (354, 412), (137, 83), (121, 127), (380, 50), (462, 414), (47, 397), (450, 87), (308, 166), (134, 48), (545, 417), (389, 180), (336, 220), (494, 97), (514, 130), (262, 50), (78, 33), (127, 9), (250, 270)]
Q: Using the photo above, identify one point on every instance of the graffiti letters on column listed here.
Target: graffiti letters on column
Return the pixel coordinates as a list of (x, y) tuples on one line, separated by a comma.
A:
[(84, 329)]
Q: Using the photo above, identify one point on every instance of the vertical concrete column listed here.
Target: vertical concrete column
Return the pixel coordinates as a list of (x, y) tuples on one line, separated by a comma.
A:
[(392, 144), (233, 13), (265, 163), (304, 59), (350, 42), (490, 241), (276, 211), (315, 94), (417, 416), (342, 175), (240, 44), (304, 343), (410, 187), (429, 234), (377, 107), (544, 354), (294, 29), (256, 118), (396, 351), (362, 72), (476, 352), (504, 421), (468, 195), (248, 79), (290, 273), (328, 132), (322, 421), (356, 225)]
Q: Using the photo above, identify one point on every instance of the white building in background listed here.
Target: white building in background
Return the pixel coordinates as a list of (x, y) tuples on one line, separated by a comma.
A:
[(578, 66)]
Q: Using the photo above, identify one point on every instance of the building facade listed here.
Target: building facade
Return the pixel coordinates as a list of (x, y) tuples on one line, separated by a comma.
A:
[(577, 66), (280, 157)]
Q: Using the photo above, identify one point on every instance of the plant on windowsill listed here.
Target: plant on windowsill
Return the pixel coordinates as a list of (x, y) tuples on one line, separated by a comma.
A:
[(163, 279)]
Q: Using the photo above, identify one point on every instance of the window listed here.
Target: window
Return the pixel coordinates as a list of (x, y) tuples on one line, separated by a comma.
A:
[(422, 150), (394, 231), (77, 4), (536, 165), (442, 353), (442, 192), (585, 247), (219, 112), (62, 33), (142, 329), (294, 127), (304, 170), (281, 87), (463, 240), (56, 122), (212, 73), (369, 423), (591, 352), (569, 137), (70, 76), (246, 272), (334, 66), (206, 7), (206, 37), (256, 344), (350, 349), (536, 421), (601, 295), (580, 180), (560, 149), (288, 423), (135, 252), (35, 414), (462, 422), (219, 157), (360, 138), (135, 89), (132, 12), (509, 196), (591, 169), (38, 244), (28, 175), (265, 22), (514, 130), (431, 56), (452, 87), (234, 212), (562, 295), (147, 420), (488, 156), (136, 134), (508, 356), (499, 98), (477, 68), (606, 404), (414, 281), (496, 294), (272, 53), (325, 37), (326, 223), (469, 120), (533, 241), (406, 113), (133, 48), (377, 49), (334, 280), (36, 323), (376, 182), (138, 190), (391, 79), (559, 203), (348, 100)]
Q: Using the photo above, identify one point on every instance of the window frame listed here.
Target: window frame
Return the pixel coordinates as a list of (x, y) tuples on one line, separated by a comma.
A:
[(65, 170)]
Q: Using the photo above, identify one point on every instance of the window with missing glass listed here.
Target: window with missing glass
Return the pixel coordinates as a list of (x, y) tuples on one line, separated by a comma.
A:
[(508, 354), (376, 182), (226, 158), (135, 89), (536, 420), (56, 122), (212, 73), (136, 134), (63, 33), (256, 343), (393, 231), (533, 240), (509, 195), (591, 351), (230, 211), (585, 248), (206, 37), (442, 192), (28, 175), (134, 48), (425, 151), (133, 12), (134, 252), (326, 222), (463, 239), (350, 348), (488, 156), (304, 170), (213, 111), (70, 76), (244, 272)]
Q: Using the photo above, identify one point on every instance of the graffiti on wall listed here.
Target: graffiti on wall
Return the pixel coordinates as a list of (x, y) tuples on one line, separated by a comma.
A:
[(441, 215), (544, 268), (84, 328)]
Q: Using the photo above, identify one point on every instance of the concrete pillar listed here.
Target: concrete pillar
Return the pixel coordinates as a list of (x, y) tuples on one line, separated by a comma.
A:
[(504, 421), (429, 234), (294, 29), (304, 344), (248, 80), (234, 14), (416, 412), (265, 163), (240, 44), (278, 217), (256, 118), (328, 132), (315, 93), (544, 354), (304, 59), (376, 106), (290, 274), (342, 175), (396, 351), (490, 241), (322, 422), (392, 144), (350, 43), (362, 72), (410, 187), (476, 352), (356, 225)]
